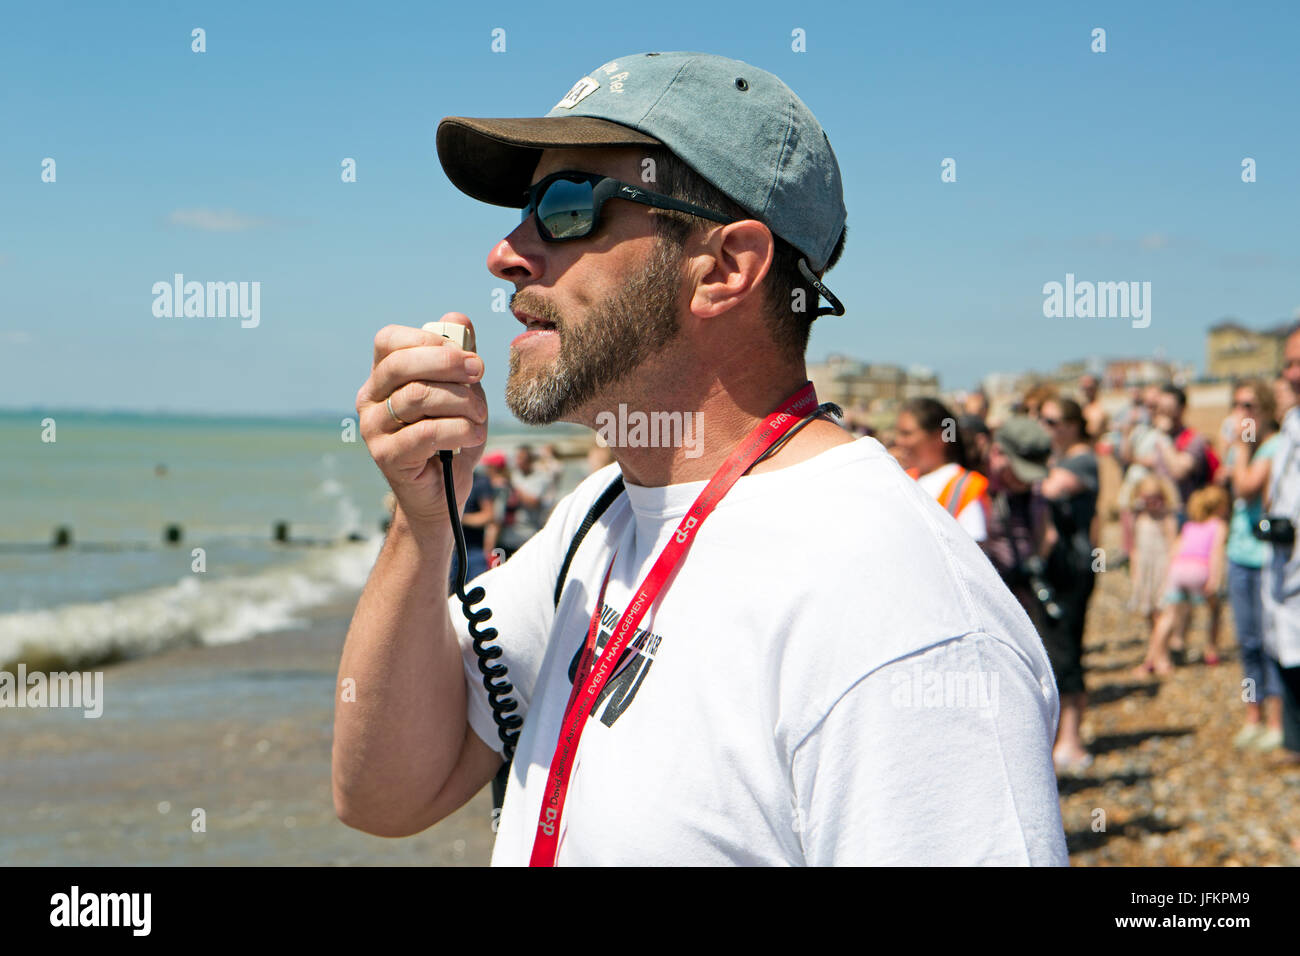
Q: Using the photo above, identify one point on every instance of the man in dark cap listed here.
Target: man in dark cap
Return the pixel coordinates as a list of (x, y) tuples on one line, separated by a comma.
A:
[(1019, 525)]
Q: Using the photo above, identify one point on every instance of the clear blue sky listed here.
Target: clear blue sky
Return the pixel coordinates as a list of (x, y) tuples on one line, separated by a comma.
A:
[(225, 166)]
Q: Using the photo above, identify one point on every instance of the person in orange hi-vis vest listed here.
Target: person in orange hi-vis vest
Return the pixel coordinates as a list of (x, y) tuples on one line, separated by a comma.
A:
[(935, 455)]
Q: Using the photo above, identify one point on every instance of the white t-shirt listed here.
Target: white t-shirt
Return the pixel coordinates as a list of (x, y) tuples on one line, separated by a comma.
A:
[(1280, 584), (809, 692), (972, 516)]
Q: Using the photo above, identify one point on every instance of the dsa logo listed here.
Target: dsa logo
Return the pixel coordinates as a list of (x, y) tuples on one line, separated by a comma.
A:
[(548, 825), (691, 522)]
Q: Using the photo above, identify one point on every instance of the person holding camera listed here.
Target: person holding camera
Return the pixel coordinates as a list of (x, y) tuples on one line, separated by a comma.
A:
[(1248, 462), (1020, 530), (1280, 574)]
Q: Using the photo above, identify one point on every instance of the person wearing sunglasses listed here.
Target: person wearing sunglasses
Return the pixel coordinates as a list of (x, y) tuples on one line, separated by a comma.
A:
[(1071, 488), (732, 665), (1248, 463)]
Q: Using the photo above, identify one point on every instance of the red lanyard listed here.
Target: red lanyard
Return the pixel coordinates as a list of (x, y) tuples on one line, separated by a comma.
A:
[(592, 676)]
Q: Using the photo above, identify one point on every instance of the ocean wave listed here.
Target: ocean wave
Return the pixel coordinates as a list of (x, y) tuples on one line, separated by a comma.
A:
[(194, 610)]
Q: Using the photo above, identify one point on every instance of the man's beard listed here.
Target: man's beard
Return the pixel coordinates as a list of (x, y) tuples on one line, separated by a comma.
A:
[(618, 335)]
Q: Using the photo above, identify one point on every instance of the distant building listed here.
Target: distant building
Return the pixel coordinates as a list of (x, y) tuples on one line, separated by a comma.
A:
[(870, 387), (998, 384), (1234, 351), (1070, 372), (1006, 388), (919, 382), (1125, 373)]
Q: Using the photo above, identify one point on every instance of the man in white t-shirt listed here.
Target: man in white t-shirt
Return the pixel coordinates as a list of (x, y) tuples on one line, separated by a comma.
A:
[(1281, 571), (832, 673)]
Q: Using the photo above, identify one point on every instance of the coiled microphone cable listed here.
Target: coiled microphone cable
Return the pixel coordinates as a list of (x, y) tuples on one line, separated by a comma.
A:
[(495, 680)]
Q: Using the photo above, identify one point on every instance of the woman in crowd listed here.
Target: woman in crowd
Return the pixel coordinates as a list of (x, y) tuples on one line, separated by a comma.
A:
[(932, 450), (1253, 441), (1071, 487), (1032, 403)]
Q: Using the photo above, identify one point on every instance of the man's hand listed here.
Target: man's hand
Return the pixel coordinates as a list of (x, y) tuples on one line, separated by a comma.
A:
[(435, 387)]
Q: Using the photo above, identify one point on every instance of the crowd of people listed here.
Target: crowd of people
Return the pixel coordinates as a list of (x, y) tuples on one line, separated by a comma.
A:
[(1026, 484), (1026, 488)]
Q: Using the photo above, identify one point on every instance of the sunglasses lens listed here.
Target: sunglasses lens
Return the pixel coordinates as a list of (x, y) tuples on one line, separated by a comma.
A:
[(565, 209)]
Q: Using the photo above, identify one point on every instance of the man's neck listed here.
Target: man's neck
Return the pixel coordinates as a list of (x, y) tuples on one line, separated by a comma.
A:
[(717, 426)]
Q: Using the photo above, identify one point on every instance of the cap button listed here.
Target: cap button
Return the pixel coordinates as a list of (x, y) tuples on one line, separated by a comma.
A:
[(741, 84)]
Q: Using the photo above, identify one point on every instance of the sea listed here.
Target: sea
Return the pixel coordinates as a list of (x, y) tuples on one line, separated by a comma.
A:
[(170, 525)]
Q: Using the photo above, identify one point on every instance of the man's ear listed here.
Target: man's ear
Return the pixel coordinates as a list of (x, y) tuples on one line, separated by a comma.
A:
[(729, 265)]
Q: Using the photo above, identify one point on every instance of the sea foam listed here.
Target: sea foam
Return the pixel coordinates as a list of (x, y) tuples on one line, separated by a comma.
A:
[(194, 610)]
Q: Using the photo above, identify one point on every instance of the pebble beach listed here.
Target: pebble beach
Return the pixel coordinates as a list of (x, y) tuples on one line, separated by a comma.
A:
[(1166, 787)]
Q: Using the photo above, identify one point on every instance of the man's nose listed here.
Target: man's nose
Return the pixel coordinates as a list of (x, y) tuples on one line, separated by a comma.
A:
[(510, 259)]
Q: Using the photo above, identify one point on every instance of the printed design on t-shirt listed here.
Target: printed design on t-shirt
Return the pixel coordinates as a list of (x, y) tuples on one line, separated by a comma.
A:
[(620, 689)]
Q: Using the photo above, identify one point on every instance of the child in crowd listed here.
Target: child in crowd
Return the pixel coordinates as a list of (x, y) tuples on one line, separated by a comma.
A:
[(1196, 573), (1155, 532)]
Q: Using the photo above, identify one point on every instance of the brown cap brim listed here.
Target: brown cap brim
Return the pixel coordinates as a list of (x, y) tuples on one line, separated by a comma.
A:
[(492, 160)]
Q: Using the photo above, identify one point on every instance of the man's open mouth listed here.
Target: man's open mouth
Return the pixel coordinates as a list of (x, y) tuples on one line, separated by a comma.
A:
[(533, 324)]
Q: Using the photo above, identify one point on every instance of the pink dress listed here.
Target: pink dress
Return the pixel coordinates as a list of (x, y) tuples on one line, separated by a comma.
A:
[(1190, 568)]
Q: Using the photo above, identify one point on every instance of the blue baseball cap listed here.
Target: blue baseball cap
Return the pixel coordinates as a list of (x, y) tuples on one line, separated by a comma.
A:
[(739, 127)]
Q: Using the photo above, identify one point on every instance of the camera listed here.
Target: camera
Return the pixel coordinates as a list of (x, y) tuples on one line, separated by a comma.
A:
[(1033, 575), (1276, 529)]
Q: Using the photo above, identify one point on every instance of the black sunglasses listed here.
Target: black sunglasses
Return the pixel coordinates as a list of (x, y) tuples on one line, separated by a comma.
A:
[(567, 206)]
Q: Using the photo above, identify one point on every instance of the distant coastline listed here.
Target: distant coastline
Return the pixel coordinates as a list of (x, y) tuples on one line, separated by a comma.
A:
[(509, 427)]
